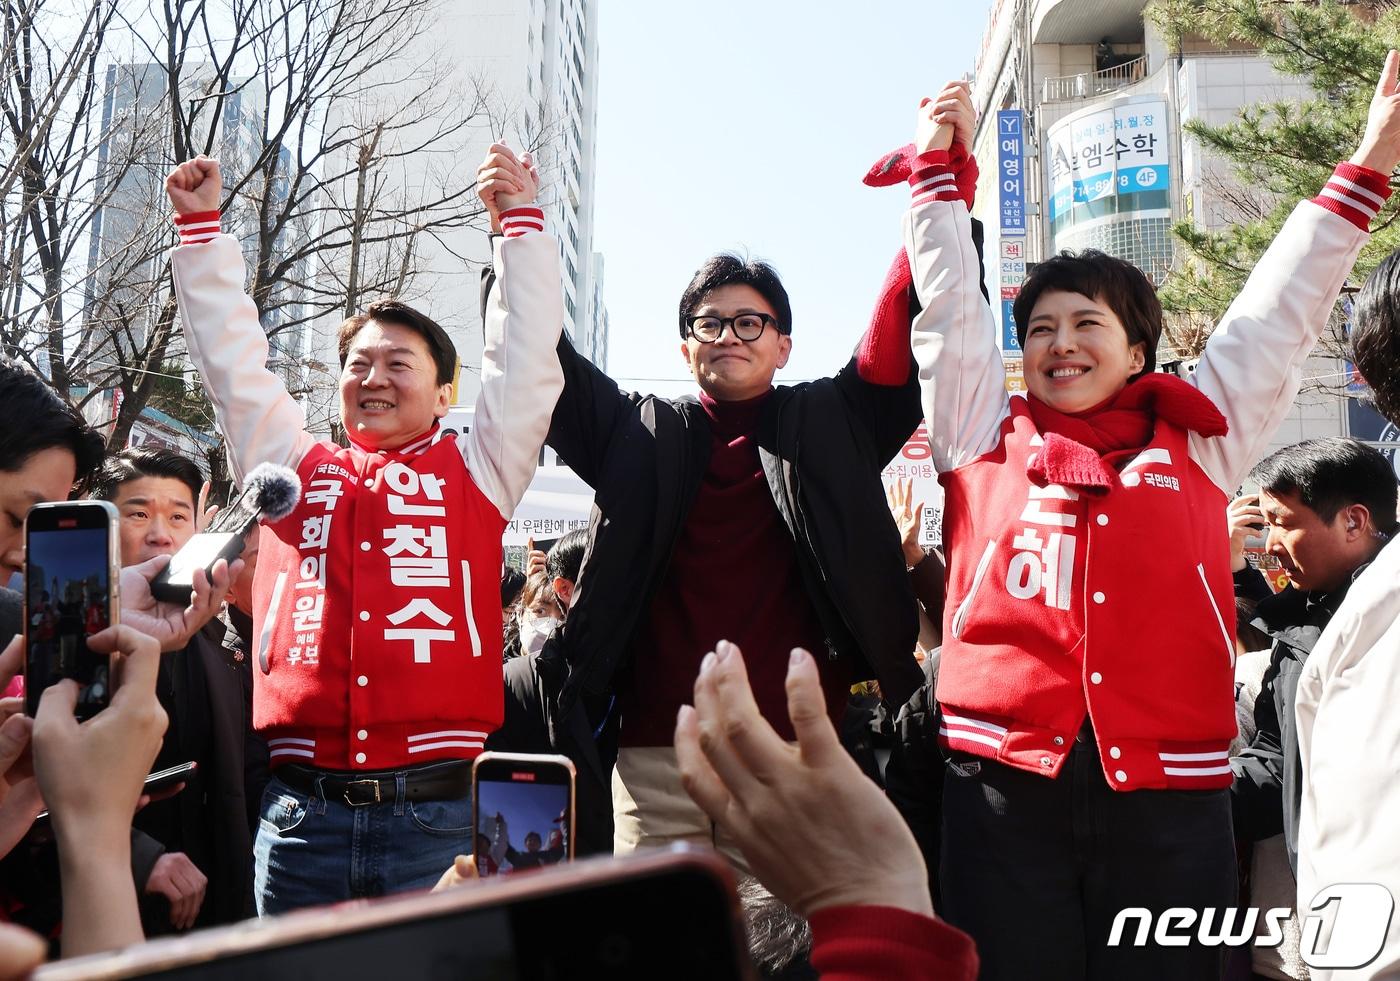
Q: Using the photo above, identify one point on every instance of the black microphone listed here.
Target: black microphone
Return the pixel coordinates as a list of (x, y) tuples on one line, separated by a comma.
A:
[(270, 491)]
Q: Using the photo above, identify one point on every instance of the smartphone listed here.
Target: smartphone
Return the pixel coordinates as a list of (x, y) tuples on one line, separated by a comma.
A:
[(72, 581), (169, 777), (175, 583), (223, 539), (659, 914), (156, 782), (522, 812)]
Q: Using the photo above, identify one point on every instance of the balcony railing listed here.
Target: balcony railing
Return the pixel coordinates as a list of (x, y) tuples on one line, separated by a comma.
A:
[(1086, 85)]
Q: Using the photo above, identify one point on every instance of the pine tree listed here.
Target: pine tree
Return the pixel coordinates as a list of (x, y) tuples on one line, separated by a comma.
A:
[(1281, 152)]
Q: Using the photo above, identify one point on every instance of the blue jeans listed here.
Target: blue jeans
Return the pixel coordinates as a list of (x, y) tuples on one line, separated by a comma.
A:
[(311, 851)]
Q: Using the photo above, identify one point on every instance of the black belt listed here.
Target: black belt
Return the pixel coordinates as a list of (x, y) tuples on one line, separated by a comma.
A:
[(447, 780)]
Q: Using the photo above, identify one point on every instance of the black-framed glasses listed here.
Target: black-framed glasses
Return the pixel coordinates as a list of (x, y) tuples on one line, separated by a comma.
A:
[(746, 326)]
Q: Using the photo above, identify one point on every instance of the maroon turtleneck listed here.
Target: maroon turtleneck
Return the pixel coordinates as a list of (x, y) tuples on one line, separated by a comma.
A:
[(733, 576)]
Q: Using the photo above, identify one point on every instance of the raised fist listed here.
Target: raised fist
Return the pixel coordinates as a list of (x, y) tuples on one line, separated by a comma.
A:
[(505, 181), (946, 118), (195, 185)]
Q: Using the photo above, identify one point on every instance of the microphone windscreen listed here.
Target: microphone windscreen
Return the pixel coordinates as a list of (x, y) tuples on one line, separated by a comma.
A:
[(276, 489)]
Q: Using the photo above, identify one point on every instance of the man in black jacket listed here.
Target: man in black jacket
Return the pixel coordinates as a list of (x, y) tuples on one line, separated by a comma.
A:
[(1330, 507), (192, 854), (750, 513)]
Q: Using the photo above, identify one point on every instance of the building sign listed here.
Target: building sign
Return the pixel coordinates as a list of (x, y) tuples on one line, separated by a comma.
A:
[(1012, 276), (1010, 173), (915, 463), (1011, 189), (1015, 376), (1121, 151)]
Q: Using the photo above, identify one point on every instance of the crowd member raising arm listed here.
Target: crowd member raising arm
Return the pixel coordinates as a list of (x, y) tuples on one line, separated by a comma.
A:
[(1088, 732)]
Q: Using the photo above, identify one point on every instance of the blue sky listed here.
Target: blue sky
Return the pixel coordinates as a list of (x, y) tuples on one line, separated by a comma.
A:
[(748, 126)]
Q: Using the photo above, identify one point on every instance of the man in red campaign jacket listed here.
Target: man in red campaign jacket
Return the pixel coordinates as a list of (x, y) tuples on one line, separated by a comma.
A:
[(1087, 718), (377, 654)]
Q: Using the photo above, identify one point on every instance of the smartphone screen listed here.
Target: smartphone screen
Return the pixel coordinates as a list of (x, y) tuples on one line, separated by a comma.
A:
[(524, 812), (68, 597)]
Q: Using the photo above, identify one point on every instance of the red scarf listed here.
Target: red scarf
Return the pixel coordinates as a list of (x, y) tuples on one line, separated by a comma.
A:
[(1075, 444)]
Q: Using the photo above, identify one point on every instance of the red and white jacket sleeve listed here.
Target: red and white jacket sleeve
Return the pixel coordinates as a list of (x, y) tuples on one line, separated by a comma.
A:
[(521, 378), (962, 379), (1253, 363), (874, 943), (226, 342)]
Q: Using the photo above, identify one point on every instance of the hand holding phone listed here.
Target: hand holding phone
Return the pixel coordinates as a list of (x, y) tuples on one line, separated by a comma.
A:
[(90, 775), (173, 624), (20, 803), (1246, 521), (270, 491), (72, 591)]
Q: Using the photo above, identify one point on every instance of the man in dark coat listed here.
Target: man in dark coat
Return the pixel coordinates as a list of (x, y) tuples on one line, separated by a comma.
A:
[(192, 854), (1330, 507), (750, 513)]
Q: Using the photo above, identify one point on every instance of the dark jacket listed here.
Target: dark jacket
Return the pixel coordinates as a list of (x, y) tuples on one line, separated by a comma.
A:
[(213, 811), (822, 445), (914, 774), (1267, 794), (525, 729)]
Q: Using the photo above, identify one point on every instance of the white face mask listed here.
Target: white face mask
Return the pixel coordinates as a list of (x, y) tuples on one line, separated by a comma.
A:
[(534, 631)]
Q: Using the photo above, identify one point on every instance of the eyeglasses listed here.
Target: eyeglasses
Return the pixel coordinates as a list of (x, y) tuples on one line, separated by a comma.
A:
[(746, 326)]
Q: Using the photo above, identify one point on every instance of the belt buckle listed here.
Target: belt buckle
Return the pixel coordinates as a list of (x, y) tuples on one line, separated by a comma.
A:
[(353, 801)]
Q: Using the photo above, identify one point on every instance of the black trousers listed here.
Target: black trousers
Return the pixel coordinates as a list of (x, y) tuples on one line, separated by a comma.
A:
[(1036, 870)]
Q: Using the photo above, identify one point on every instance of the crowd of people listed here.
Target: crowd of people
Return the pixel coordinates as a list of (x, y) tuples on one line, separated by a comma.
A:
[(954, 764)]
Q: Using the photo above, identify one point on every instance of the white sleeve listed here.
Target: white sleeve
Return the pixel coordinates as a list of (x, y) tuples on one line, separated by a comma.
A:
[(259, 420), (520, 374), (962, 379), (1348, 747), (1253, 363)]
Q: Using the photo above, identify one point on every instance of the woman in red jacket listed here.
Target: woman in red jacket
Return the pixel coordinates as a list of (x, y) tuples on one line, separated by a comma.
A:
[(1087, 719)]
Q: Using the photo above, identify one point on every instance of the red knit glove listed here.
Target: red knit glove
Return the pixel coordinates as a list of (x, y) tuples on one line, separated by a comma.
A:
[(896, 166)]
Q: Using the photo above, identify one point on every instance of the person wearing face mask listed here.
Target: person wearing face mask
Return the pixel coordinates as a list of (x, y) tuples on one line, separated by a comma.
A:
[(540, 612), (588, 733)]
